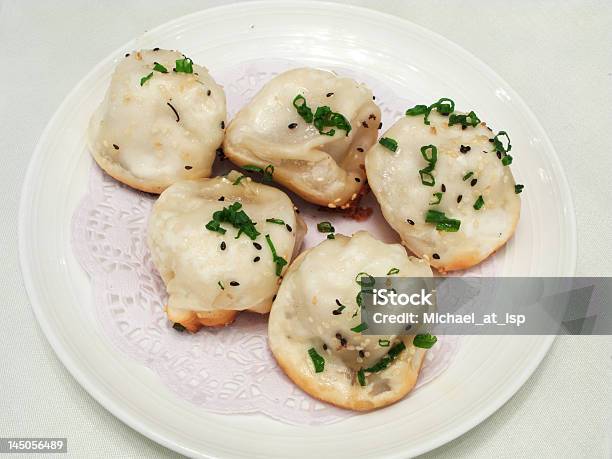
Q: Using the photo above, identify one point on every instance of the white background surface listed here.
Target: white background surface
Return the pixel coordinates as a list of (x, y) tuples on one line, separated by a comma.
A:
[(557, 57)]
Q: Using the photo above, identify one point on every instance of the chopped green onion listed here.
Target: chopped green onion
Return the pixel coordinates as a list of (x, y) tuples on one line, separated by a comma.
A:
[(498, 145), (424, 341), (468, 175), (299, 102), (184, 65), (215, 226), (387, 359), (361, 377), (464, 120), (279, 261), (239, 179), (443, 223), (438, 196), (325, 227), (276, 221), (384, 342), (359, 328), (479, 203), (339, 309), (144, 79), (160, 68), (317, 360), (417, 110), (388, 143), (267, 173), (518, 188), (331, 236), (506, 160), (237, 218), (444, 106), (426, 175), (365, 280), (324, 117), (392, 271)]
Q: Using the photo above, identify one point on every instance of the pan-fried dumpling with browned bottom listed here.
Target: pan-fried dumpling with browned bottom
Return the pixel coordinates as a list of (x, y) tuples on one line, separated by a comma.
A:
[(445, 187), (314, 325), (161, 121), (314, 128), (221, 246)]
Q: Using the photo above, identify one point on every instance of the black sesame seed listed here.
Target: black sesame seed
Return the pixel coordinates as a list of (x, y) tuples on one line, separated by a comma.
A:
[(127, 55), (288, 226), (222, 124), (360, 150), (257, 245), (234, 283), (499, 155), (410, 222), (223, 245), (209, 92), (343, 342), (292, 125), (491, 140), (115, 146), (364, 124), (380, 126), (474, 182), (357, 179), (274, 297), (188, 168), (338, 302), (155, 49), (361, 354), (373, 97), (256, 259), (338, 336), (464, 148), (336, 312), (436, 256), (329, 94), (459, 198), (324, 346), (443, 188), (222, 198), (178, 327)]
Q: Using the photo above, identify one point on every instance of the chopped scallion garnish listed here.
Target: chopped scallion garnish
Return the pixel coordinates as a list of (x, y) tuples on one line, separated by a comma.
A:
[(144, 79), (443, 223), (361, 377), (359, 328), (468, 175), (299, 102), (184, 65), (387, 359), (426, 175), (479, 203), (317, 360), (160, 68), (518, 189), (393, 271), (279, 261), (384, 342), (324, 117), (276, 221), (325, 227), (388, 143), (438, 197), (425, 341)]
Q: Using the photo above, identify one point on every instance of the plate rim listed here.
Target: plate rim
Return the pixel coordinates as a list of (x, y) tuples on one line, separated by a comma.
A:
[(89, 383)]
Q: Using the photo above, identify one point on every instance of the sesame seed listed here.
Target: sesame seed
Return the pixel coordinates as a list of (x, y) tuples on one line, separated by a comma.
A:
[(115, 146), (329, 94), (473, 182), (364, 124), (464, 148), (338, 336), (223, 245), (360, 150), (222, 124), (257, 245), (410, 222), (435, 256), (459, 198), (234, 283), (443, 188), (288, 227), (380, 126), (372, 116), (155, 49), (361, 354), (188, 168), (222, 198), (324, 346), (256, 259), (209, 92), (292, 125), (357, 179)]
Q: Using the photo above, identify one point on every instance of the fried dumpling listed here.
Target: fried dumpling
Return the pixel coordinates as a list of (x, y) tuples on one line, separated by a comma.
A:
[(161, 121), (445, 188), (314, 128), (221, 246), (312, 323)]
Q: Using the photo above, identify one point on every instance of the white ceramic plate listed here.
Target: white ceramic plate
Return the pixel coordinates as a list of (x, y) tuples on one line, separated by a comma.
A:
[(412, 61)]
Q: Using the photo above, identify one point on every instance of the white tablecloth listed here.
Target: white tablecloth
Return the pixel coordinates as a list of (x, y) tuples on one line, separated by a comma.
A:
[(557, 56)]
